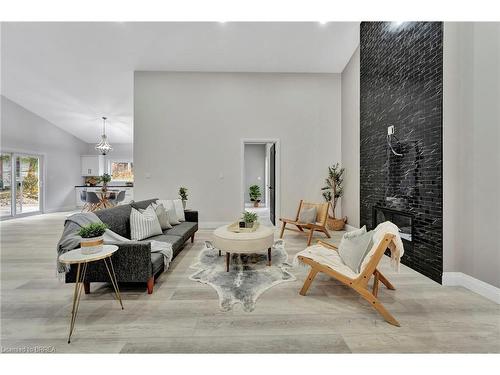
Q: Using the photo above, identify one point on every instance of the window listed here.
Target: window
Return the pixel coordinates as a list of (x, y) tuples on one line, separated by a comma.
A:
[(121, 170)]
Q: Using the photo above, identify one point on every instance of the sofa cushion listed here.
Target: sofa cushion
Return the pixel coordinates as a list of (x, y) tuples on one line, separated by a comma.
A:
[(143, 204), (176, 241), (185, 230), (117, 219), (157, 262)]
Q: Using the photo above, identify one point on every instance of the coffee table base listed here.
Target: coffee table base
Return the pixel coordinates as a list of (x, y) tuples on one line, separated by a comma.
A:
[(228, 258)]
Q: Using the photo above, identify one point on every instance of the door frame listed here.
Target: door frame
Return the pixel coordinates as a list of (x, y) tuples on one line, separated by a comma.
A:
[(42, 177), (277, 171)]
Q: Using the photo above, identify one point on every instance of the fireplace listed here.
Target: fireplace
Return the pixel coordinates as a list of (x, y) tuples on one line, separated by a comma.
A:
[(404, 221)]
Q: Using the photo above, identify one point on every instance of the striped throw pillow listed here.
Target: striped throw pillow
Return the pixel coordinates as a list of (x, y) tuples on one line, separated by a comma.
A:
[(144, 225)]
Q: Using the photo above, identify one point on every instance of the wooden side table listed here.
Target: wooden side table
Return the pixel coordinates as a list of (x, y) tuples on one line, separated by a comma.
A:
[(82, 260)]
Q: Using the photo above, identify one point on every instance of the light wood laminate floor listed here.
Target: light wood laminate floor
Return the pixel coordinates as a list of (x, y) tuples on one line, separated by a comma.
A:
[(183, 316)]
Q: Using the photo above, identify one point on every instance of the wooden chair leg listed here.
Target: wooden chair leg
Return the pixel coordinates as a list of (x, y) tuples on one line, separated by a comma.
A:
[(377, 306), (309, 280), (151, 283), (282, 229), (325, 231), (375, 284), (384, 280), (309, 239)]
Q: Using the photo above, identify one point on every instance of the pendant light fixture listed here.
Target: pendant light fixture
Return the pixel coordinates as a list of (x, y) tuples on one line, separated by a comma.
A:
[(103, 146)]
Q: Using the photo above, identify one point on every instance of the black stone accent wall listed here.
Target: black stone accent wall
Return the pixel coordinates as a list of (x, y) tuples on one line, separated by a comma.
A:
[(401, 84)]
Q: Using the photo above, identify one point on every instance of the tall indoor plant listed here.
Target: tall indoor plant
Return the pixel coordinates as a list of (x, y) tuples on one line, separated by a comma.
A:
[(332, 191)]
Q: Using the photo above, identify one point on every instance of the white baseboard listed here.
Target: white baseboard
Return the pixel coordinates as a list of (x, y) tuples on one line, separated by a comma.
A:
[(60, 209), (477, 286)]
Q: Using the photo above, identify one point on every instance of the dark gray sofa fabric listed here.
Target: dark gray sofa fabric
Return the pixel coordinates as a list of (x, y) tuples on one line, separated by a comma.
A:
[(117, 219), (185, 230), (134, 262)]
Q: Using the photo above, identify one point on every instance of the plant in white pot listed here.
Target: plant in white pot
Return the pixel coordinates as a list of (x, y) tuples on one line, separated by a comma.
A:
[(183, 195), (332, 192), (92, 237), (255, 194), (249, 218)]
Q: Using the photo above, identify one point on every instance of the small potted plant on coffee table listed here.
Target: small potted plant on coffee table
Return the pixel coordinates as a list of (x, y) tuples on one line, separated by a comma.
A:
[(92, 237), (249, 218), (183, 195), (255, 194)]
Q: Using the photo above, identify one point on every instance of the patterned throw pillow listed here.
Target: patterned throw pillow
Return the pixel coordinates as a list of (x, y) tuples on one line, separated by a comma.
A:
[(169, 207), (162, 215), (144, 225), (179, 210)]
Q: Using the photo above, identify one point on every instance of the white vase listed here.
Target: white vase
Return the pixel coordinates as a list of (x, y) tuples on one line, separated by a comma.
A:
[(91, 245)]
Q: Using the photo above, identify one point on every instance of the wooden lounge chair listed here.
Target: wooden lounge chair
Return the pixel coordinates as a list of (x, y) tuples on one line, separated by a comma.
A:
[(319, 225), (358, 282)]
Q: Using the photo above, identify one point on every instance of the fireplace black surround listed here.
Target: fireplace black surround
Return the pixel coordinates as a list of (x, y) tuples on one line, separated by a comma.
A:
[(401, 71)]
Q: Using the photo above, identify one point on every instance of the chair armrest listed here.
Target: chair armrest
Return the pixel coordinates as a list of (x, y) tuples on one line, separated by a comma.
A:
[(327, 245), (191, 216)]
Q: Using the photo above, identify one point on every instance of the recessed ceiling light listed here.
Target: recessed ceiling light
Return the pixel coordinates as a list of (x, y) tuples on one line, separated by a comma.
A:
[(322, 22)]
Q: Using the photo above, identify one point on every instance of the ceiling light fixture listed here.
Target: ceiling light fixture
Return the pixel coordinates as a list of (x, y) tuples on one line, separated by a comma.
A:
[(103, 146)]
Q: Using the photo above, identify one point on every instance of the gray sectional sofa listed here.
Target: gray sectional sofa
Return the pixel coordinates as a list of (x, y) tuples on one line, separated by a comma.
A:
[(134, 262)]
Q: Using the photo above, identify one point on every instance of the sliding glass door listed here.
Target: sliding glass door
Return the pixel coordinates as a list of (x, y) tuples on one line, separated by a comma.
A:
[(20, 184), (6, 185)]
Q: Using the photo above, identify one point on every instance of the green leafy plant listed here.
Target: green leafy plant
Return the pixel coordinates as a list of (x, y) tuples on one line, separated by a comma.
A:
[(183, 193), (105, 178), (334, 189), (92, 230), (254, 193), (249, 217)]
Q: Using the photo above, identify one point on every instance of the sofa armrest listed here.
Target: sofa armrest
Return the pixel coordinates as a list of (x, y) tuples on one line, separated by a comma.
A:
[(131, 262), (191, 216)]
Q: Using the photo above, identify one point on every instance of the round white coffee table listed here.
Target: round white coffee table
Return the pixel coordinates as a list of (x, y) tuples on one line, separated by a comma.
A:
[(244, 243), (82, 260)]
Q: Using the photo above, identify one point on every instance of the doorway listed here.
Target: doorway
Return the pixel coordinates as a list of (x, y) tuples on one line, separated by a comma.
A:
[(260, 178), (20, 184)]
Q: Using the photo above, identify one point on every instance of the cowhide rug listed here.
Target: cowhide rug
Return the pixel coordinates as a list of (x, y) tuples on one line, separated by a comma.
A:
[(248, 276)]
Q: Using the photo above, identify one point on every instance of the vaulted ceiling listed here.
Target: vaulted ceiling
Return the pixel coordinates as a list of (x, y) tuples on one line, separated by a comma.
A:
[(73, 73)]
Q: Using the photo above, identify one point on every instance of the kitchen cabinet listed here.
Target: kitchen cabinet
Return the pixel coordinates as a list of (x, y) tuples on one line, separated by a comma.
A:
[(92, 165)]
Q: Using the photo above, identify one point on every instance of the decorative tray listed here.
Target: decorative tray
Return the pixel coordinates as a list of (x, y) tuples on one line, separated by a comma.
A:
[(235, 227)]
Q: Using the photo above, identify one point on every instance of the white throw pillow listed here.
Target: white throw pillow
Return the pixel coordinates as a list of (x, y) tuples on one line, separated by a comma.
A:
[(179, 210), (308, 215), (144, 225), (352, 250), (355, 233), (169, 207), (162, 215)]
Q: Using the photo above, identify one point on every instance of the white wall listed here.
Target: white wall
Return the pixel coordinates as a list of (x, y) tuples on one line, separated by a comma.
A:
[(188, 128), (471, 128), (23, 131), (255, 169), (350, 139)]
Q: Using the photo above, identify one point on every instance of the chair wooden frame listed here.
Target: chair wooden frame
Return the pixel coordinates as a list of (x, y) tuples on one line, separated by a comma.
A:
[(318, 226), (359, 284)]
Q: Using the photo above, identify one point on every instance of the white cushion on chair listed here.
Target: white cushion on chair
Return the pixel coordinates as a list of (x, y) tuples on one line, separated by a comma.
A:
[(329, 258)]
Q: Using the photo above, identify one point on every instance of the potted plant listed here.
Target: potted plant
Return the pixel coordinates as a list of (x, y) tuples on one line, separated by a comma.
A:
[(255, 194), (332, 192), (183, 195), (105, 179), (249, 218), (92, 237)]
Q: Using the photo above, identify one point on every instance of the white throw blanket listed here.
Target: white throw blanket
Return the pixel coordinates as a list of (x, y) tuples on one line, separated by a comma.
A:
[(329, 256)]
